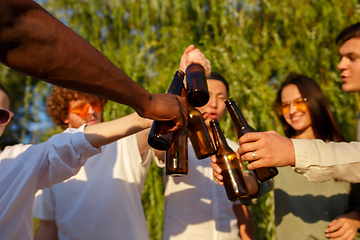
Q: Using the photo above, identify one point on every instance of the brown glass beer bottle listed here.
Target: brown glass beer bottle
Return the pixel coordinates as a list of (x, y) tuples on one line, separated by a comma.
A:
[(198, 93), (242, 127), (200, 138), (176, 158), (160, 138), (234, 181)]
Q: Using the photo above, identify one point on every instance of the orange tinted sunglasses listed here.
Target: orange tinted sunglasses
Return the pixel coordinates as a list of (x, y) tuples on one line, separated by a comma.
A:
[(83, 109), (299, 104)]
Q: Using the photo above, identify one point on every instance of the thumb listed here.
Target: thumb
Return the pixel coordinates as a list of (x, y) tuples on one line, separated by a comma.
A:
[(183, 63), (189, 49)]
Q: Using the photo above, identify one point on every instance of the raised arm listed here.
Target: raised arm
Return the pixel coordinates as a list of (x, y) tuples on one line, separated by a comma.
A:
[(106, 132), (316, 160), (35, 43), (190, 55)]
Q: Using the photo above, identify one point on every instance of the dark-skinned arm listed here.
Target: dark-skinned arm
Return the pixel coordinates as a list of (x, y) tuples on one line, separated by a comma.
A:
[(35, 43)]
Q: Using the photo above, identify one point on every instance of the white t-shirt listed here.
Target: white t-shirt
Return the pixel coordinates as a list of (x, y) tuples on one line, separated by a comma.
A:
[(103, 201), (196, 207), (26, 168)]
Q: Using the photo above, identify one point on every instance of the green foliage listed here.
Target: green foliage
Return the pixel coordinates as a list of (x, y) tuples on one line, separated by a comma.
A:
[(253, 43), (27, 98)]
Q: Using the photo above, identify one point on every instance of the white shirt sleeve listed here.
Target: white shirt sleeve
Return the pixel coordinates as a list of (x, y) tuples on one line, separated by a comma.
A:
[(319, 161), (25, 169), (66, 152)]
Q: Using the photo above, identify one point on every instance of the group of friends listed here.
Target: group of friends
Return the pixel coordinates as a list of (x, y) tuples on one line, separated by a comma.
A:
[(88, 180)]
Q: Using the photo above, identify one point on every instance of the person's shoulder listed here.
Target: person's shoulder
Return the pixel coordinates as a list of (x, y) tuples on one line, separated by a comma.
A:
[(15, 149)]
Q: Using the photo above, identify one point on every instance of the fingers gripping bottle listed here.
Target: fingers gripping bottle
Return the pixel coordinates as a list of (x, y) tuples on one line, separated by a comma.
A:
[(176, 158), (160, 138), (242, 127), (234, 181)]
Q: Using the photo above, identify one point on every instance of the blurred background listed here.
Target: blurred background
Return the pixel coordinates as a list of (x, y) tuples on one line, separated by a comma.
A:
[(255, 44)]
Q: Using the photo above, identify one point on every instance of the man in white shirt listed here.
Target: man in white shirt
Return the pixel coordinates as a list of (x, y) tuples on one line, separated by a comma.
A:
[(195, 206), (24, 169), (110, 183)]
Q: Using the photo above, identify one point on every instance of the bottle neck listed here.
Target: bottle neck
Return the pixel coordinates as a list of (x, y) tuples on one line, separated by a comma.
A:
[(177, 83), (238, 119), (235, 113), (193, 110), (219, 137)]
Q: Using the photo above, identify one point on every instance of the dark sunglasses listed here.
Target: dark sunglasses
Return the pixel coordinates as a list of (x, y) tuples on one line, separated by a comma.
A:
[(5, 116)]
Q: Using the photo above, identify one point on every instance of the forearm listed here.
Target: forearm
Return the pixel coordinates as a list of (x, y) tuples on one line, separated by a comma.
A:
[(34, 43), (252, 184), (107, 132), (256, 189), (47, 230), (246, 229)]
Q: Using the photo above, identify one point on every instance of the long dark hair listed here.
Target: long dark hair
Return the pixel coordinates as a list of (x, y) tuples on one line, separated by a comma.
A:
[(322, 120)]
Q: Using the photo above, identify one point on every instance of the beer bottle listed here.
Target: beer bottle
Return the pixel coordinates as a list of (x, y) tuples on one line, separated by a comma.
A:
[(160, 138), (234, 181), (198, 93), (242, 127), (176, 158), (200, 138)]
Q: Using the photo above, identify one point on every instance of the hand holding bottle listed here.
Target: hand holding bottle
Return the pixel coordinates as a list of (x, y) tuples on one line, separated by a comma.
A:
[(194, 55), (176, 158), (242, 128), (271, 150), (233, 177), (196, 66), (160, 137)]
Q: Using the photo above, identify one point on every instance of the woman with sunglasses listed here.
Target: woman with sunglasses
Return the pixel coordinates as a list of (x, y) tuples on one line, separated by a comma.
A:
[(26, 168), (304, 209)]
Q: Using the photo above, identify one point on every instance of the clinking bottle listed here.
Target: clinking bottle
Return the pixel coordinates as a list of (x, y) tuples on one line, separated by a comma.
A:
[(242, 127), (176, 158), (198, 93), (234, 181), (159, 138), (200, 138)]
